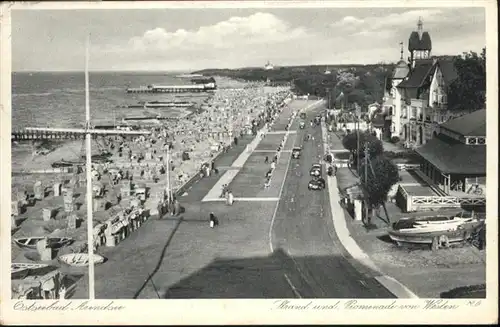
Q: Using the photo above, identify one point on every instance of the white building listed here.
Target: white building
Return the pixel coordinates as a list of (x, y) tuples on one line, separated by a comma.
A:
[(416, 92)]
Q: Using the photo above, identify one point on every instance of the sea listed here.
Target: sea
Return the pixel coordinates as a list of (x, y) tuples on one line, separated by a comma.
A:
[(57, 99)]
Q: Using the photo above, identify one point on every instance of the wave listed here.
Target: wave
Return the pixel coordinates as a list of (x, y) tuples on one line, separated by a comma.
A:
[(92, 89), (33, 94)]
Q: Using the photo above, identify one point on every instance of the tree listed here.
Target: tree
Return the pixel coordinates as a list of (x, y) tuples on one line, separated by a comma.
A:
[(375, 146), (382, 174), (468, 91)]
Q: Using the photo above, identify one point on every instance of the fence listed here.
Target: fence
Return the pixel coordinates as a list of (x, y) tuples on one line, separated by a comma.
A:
[(406, 166), (410, 203)]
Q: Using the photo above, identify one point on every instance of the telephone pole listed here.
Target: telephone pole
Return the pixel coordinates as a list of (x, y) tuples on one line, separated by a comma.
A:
[(366, 181), (357, 141)]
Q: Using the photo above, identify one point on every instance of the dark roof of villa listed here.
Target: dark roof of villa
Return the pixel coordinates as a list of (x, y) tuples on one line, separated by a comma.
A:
[(447, 67), (423, 68), (417, 43), (453, 157), (473, 124)]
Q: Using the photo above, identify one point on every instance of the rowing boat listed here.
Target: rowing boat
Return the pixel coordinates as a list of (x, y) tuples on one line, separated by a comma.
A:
[(53, 242), (21, 270), (80, 259)]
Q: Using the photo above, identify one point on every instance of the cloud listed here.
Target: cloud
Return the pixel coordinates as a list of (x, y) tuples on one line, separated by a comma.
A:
[(256, 29), (363, 26), (348, 20)]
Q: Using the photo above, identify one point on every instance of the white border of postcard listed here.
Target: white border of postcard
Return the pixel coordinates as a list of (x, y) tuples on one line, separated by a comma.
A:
[(243, 311)]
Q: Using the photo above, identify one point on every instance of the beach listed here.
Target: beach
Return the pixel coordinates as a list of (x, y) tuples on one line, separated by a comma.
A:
[(170, 155)]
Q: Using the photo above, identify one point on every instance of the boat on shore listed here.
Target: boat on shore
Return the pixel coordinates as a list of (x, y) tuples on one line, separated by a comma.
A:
[(98, 158), (66, 163), (53, 242), (80, 259), (425, 230), (21, 270)]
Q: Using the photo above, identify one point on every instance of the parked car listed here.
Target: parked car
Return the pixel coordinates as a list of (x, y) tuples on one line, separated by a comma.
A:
[(316, 184), (316, 170), (296, 152)]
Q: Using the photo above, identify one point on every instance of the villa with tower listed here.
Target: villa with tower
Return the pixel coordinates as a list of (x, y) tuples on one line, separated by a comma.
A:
[(416, 93), (451, 145)]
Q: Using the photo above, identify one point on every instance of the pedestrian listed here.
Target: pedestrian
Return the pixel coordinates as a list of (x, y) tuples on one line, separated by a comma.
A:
[(160, 210), (273, 165), (335, 170), (230, 198), (266, 160), (213, 220)]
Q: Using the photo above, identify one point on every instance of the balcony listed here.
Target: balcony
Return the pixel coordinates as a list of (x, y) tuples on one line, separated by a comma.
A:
[(440, 105)]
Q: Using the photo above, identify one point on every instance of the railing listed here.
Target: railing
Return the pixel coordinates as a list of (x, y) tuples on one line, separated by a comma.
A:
[(412, 203), (474, 201), (416, 203)]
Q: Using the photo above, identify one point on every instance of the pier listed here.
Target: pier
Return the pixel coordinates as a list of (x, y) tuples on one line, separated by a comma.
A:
[(39, 133), (197, 88)]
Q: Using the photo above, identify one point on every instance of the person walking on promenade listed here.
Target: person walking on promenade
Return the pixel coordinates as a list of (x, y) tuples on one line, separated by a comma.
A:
[(213, 220), (266, 160)]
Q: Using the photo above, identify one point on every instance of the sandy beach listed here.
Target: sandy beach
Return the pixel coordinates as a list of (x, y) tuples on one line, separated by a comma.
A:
[(195, 139)]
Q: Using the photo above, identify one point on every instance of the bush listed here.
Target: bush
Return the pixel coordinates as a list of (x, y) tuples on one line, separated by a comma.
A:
[(394, 139)]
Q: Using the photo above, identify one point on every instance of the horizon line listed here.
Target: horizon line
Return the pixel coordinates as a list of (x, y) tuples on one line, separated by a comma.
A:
[(193, 71)]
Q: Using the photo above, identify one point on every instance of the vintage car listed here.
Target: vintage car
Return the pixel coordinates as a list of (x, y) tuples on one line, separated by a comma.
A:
[(316, 170), (296, 152), (303, 115), (316, 184)]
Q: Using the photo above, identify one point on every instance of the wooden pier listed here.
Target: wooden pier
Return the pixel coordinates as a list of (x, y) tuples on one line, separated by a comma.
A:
[(39, 133)]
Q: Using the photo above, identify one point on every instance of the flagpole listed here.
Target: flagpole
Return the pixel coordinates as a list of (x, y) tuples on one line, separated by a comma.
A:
[(90, 227)]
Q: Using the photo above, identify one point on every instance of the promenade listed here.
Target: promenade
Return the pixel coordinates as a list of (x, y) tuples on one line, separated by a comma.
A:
[(155, 260)]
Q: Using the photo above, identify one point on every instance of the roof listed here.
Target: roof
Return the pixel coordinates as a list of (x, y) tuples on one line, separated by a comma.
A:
[(448, 70), (401, 70), (454, 157), (418, 74), (473, 124), (417, 43), (388, 83)]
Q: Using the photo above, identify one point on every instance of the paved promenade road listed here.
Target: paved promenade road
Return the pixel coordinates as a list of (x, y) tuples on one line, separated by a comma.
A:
[(181, 257), (319, 266)]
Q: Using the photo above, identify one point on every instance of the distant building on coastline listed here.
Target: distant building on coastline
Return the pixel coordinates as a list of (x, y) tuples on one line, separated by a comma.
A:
[(268, 66), (416, 94)]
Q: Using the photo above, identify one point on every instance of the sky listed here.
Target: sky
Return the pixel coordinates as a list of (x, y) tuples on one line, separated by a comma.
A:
[(193, 39)]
